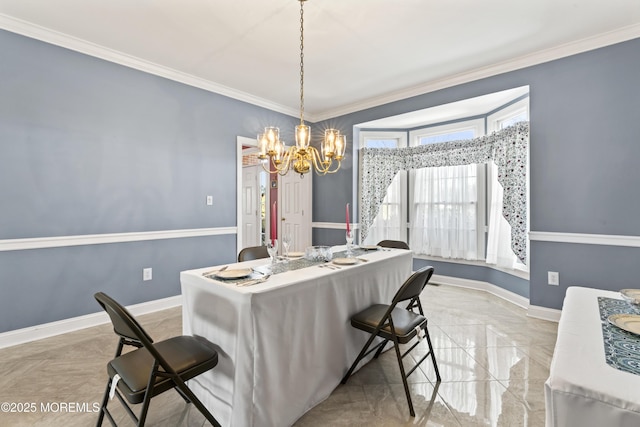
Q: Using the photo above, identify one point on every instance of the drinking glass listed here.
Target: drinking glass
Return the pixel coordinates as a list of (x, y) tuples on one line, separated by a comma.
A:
[(286, 243), (349, 236)]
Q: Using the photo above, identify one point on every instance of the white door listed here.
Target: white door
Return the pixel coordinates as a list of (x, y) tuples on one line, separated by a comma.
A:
[(294, 194), (251, 223)]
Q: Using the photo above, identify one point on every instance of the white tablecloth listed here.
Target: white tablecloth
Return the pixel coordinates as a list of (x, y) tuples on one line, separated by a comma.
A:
[(582, 390), (285, 344)]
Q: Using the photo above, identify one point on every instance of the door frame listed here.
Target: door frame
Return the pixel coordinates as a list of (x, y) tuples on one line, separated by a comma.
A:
[(240, 142), (257, 171)]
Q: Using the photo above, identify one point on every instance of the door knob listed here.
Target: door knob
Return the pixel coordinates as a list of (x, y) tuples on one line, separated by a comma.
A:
[(283, 219)]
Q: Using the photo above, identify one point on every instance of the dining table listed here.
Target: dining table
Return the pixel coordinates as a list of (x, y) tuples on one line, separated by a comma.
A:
[(594, 376), (283, 332)]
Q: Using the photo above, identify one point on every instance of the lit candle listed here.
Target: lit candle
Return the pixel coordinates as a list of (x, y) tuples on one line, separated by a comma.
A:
[(348, 227), (273, 223)]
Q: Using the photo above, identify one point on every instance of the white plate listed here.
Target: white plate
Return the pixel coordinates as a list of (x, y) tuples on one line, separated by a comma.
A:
[(295, 254), (632, 295), (370, 247), (345, 261), (628, 322), (233, 274)]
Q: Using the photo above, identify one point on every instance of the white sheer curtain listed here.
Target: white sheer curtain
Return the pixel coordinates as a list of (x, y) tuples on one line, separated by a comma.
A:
[(508, 148), (388, 224), (499, 250), (443, 221)]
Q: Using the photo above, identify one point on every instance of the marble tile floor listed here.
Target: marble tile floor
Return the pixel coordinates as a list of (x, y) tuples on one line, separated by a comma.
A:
[(493, 360)]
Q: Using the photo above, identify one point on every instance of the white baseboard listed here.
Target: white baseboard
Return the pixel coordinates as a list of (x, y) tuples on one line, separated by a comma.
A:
[(21, 336), (532, 311), (544, 313)]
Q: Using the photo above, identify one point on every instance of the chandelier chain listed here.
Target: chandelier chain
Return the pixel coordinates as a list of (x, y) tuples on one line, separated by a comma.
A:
[(301, 157), (302, 62)]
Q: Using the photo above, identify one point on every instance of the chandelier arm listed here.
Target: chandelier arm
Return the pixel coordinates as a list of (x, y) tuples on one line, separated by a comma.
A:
[(318, 164), (284, 166), (286, 162), (326, 168), (314, 156), (283, 172), (267, 170), (289, 156), (336, 169)]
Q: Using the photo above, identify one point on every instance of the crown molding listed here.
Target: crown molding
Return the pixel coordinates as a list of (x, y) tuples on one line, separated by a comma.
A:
[(63, 40), (46, 35), (590, 43)]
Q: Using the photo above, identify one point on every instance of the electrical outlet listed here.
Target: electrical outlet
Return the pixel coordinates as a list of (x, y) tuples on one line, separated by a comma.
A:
[(209, 200), (147, 274), (554, 278)]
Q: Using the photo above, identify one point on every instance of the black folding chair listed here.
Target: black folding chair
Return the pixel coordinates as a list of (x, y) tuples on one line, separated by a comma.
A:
[(397, 244), (152, 368), (127, 337), (253, 252), (399, 325)]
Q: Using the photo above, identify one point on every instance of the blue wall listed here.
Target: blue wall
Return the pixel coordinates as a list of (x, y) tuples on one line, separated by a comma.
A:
[(584, 149), (90, 147)]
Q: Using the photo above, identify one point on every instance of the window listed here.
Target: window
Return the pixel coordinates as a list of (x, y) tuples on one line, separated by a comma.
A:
[(447, 213), (450, 212), (390, 223)]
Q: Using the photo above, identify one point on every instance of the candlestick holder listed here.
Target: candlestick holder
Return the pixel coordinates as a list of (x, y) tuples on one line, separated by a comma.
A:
[(349, 237), (272, 248)]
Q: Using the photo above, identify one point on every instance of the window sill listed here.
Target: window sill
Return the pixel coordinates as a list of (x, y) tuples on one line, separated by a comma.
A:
[(517, 273)]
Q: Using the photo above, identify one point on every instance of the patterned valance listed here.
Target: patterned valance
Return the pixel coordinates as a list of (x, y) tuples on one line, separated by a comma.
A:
[(507, 148)]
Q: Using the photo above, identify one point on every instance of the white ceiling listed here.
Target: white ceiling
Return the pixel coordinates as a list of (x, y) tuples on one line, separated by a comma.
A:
[(358, 53)]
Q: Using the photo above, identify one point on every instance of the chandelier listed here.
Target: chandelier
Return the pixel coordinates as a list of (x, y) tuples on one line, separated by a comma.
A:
[(277, 157)]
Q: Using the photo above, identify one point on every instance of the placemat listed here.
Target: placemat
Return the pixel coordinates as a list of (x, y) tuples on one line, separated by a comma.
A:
[(298, 263), (281, 267), (621, 348)]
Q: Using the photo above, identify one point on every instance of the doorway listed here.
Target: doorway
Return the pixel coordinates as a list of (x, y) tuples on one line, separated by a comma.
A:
[(253, 196), (254, 199), (256, 192)]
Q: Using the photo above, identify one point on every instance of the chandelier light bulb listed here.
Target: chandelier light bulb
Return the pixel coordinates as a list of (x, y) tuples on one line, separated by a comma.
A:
[(340, 146), (280, 149), (303, 137), (263, 145)]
